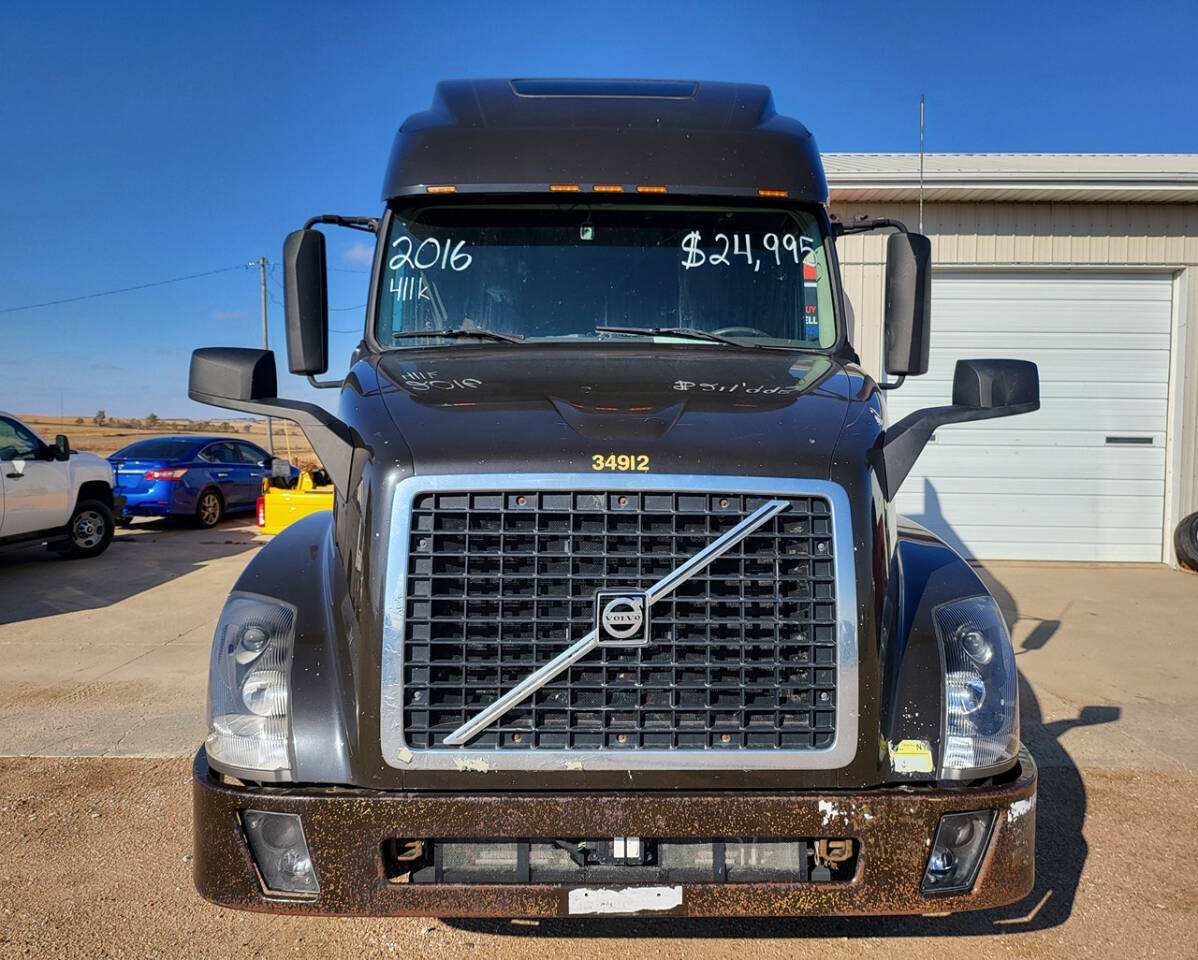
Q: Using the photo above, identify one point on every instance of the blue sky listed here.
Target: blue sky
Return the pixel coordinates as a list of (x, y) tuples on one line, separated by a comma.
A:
[(140, 142)]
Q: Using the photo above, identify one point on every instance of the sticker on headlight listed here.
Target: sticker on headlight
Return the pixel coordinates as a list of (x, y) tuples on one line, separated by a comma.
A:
[(911, 756)]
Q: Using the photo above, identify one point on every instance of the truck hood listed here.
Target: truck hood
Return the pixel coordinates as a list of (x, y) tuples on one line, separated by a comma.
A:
[(688, 409), (88, 466)]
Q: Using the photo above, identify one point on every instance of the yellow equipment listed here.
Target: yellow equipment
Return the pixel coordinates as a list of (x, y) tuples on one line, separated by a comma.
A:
[(279, 507)]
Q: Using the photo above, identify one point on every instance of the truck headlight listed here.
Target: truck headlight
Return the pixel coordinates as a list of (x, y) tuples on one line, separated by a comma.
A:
[(981, 694), (249, 702)]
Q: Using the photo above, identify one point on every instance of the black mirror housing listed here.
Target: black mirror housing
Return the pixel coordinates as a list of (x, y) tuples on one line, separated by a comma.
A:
[(62, 447), (982, 390), (232, 373), (306, 302), (908, 314), (242, 379), (985, 384)]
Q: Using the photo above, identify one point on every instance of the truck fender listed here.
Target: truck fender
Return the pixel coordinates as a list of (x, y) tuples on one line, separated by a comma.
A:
[(926, 573), (300, 567)]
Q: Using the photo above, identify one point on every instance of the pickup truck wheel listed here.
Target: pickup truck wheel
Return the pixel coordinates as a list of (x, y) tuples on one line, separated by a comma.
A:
[(1185, 540), (90, 529), (209, 509)]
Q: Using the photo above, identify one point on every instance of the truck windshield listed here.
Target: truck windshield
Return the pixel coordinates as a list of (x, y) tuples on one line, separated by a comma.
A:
[(560, 272)]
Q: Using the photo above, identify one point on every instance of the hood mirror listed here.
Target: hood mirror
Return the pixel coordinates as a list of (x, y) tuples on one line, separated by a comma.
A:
[(982, 390)]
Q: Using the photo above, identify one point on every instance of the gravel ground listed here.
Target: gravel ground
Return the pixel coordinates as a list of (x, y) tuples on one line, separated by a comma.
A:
[(102, 675), (95, 862)]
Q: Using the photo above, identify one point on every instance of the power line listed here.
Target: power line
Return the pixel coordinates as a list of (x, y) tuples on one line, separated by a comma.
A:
[(275, 281), (109, 293), (279, 303)]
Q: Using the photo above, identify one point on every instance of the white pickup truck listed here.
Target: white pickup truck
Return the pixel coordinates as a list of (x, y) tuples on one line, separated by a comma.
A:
[(52, 495)]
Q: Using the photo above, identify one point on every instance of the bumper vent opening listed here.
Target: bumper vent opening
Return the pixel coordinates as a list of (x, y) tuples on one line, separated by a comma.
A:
[(628, 861)]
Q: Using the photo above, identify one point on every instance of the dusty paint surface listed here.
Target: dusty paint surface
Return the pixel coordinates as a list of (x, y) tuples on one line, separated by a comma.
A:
[(1020, 808), (346, 828)]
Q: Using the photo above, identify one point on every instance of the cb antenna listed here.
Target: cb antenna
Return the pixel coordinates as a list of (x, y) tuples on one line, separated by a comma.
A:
[(921, 163)]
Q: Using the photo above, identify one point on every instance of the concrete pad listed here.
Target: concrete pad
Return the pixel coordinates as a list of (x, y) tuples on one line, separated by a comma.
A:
[(1109, 653), (109, 656)]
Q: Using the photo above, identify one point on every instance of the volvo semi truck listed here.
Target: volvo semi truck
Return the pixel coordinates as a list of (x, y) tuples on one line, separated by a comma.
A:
[(613, 613)]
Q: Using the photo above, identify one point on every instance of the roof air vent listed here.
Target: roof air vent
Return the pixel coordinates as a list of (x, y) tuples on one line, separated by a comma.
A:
[(661, 89)]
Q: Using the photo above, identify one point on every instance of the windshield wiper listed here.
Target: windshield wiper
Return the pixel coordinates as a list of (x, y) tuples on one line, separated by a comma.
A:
[(459, 333), (685, 332)]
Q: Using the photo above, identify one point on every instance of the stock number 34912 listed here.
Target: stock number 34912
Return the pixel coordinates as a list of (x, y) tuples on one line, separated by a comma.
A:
[(621, 462)]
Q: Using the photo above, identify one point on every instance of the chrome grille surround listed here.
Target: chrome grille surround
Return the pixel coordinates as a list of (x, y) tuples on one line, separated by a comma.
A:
[(399, 753)]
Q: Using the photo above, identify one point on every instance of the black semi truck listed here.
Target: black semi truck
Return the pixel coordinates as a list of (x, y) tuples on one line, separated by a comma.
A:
[(613, 612)]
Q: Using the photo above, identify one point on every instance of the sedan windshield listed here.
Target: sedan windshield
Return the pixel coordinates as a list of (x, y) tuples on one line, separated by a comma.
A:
[(544, 272), (157, 448)]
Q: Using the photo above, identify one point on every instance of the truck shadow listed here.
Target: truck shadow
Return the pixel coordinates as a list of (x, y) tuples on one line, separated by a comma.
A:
[(36, 584), (1061, 850)]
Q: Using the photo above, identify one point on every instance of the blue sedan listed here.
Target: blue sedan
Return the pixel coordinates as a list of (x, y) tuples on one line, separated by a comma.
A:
[(200, 477)]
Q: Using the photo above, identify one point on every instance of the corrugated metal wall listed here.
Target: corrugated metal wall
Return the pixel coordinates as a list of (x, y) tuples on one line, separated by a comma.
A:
[(1064, 236)]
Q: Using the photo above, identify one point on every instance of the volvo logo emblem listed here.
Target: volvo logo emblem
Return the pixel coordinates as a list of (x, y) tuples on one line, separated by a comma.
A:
[(622, 618)]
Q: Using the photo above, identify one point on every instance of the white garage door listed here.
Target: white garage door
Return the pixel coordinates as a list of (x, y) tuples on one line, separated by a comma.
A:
[(1083, 478)]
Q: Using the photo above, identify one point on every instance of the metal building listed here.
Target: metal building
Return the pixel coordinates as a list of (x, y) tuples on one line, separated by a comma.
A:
[(1086, 264)]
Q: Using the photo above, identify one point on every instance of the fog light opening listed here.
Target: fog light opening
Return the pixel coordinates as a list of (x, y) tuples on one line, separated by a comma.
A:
[(961, 842), (280, 852)]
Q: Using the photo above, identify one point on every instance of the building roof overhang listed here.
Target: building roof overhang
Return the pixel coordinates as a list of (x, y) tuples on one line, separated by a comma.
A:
[(1013, 177)]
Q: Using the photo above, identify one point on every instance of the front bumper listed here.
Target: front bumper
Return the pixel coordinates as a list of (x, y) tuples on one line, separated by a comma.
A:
[(346, 828)]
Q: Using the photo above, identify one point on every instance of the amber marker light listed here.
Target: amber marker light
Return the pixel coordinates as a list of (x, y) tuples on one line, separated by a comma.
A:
[(608, 188), (563, 188), (771, 193), (446, 188), (649, 188)]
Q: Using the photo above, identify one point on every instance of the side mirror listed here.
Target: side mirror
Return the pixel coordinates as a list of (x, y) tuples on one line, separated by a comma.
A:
[(982, 390), (306, 302), (908, 316), (243, 379), (232, 373), (997, 385), (62, 447)]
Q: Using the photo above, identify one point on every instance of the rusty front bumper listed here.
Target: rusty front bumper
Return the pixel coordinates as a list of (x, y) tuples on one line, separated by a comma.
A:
[(346, 828)]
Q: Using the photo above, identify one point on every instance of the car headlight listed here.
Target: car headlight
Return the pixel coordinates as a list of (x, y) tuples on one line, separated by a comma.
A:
[(981, 694), (249, 688)]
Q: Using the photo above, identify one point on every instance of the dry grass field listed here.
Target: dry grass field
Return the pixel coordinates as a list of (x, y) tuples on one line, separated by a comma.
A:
[(104, 439)]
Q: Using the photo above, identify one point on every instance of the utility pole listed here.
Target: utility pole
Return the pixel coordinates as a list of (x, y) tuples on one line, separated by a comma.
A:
[(920, 179), (270, 439)]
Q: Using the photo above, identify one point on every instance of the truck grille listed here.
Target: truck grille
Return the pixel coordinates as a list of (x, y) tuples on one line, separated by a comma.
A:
[(742, 656)]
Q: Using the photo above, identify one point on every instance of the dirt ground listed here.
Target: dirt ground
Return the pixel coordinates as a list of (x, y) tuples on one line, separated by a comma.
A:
[(107, 438), (95, 859), (102, 676)]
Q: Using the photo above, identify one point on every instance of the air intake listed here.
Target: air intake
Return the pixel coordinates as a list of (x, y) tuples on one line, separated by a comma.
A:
[(659, 89)]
